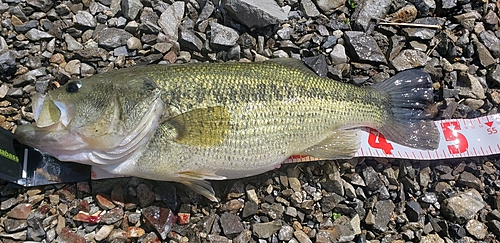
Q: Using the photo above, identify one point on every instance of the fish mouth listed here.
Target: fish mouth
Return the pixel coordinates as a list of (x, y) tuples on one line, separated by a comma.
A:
[(50, 114), (51, 121)]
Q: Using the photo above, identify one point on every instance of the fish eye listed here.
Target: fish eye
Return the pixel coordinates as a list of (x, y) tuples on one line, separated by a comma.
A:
[(73, 86)]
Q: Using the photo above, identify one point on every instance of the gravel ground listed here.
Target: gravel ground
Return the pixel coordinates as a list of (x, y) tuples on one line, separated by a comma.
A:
[(45, 43)]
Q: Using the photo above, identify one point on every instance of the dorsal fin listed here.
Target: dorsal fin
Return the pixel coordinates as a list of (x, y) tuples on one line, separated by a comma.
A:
[(291, 63)]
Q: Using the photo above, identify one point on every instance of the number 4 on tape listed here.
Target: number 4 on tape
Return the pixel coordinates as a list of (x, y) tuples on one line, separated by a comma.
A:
[(377, 140)]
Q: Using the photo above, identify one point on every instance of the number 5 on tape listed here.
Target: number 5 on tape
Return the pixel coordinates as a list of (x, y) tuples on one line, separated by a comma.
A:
[(451, 134)]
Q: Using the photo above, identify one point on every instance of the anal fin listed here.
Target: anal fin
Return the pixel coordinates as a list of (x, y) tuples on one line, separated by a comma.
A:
[(201, 187), (342, 144), (196, 181)]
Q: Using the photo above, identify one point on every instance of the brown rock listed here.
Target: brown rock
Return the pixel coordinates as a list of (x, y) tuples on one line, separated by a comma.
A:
[(21, 211), (135, 232), (103, 202)]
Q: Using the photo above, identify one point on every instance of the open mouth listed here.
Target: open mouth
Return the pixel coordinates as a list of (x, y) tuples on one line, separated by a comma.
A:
[(50, 114)]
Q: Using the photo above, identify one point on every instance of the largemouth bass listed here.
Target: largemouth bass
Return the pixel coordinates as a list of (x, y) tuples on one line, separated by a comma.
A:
[(195, 122)]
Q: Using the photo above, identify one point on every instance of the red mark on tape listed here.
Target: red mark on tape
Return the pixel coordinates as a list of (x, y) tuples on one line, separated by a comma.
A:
[(377, 140), (451, 134)]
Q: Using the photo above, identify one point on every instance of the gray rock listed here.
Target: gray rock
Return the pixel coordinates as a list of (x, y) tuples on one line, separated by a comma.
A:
[(285, 233), (448, 4), (222, 36), (256, 13), (342, 230), (423, 33), (409, 58), (484, 55), (190, 40), (14, 225), (470, 180), (290, 211), (338, 54), (309, 8), (3, 7), (464, 206), (84, 18), (274, 211), (24, 80), (130, 8), (32, 24), (62, 9), (110, 38), (333, 182), (349, 190), (162, 47), (383, 214), (470, 86), (370, 9), (133, 43), (494, 75), (115, 6), (491, 42), (244, 237), (35, 35), (413, 211), (265, 230), (3, 44), (285, 32), (42, 5), (7, 60), (132, 27), (149, 27), (234, 53), (71, 43), (170, 20), (364, 47), (249, 209), (372, 180), (231, 225), (206, 12), (318, 65), (329, 42), (476, 229), (327, 5), (323, 31), (494, 226), (329, 201), (148, 14), (355, 179), (122, 50), (86, 69)]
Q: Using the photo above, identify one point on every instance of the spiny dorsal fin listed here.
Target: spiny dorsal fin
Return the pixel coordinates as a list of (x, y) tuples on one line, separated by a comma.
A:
[(202, 126)]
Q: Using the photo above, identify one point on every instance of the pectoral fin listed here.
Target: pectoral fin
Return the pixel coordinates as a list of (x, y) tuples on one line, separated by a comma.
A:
[(342, 144), (202, 127)]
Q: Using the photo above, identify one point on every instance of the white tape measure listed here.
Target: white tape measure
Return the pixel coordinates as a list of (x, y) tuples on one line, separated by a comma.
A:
[(459, 138)]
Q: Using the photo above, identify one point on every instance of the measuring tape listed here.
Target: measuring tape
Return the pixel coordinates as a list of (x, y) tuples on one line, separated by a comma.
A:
[(459, 138)]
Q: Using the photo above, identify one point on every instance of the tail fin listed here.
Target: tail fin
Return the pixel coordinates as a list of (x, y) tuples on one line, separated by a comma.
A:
[(410, 93)]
